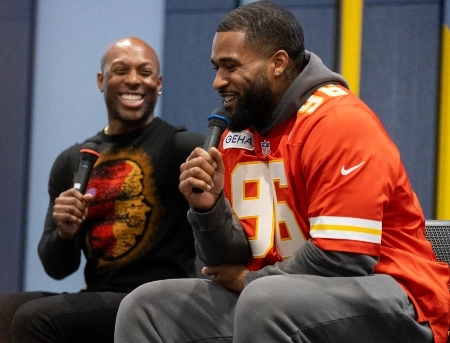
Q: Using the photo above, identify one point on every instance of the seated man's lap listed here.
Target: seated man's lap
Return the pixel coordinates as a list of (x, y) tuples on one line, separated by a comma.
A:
[(9, 303), (329, 309), (83, 316)]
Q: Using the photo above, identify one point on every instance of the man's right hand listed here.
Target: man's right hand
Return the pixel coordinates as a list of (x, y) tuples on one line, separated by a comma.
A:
[(205, 171), (70, 211)]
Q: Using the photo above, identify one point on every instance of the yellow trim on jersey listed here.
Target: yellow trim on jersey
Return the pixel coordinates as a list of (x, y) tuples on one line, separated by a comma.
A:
[(357, 229)]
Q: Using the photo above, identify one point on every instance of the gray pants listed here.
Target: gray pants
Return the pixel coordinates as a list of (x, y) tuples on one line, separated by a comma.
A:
[(287, 308)]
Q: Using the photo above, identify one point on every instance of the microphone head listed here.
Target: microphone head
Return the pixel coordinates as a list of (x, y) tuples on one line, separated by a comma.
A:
[(219, 118), (89, 152)]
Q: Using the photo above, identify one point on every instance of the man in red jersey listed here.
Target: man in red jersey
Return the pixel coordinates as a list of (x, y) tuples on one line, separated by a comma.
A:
[(308, 225)]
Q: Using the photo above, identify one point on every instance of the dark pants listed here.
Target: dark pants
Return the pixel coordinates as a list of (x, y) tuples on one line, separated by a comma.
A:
[(51, 317)]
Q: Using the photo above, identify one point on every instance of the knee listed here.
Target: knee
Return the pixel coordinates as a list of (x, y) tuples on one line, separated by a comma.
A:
[(260, 294), (133, 302), (26, 319), (24, 314), (151, 305), (153, 293), (276, 292), (151, 290)]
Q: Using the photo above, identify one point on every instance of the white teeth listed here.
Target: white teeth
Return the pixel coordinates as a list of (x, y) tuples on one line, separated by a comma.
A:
[(229, 98), (131, 97)]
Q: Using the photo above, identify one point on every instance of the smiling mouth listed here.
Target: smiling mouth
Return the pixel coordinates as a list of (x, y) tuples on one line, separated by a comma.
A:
[(131, 97), (227, 99)]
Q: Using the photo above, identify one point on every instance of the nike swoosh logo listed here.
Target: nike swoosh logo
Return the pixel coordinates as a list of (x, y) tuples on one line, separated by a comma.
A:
[(349, 170)]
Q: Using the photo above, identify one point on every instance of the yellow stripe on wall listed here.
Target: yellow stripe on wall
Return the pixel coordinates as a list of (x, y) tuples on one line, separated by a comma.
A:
[(443, 177), (351, 33)]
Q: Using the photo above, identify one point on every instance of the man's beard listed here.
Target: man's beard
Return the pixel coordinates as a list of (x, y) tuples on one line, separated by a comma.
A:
[(255, 104)]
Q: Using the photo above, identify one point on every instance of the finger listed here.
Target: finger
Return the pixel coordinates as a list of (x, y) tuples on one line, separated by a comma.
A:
[(207, 271), (206, 164), (210, 270), (218, 161), (71, 209), (214, 277), (198, 152), (187, 186), (71, 193), (195, 177), (90, 195), (65, 218), (69, 204)]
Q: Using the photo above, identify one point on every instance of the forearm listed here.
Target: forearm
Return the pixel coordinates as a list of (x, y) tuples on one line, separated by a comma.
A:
[(59, 257), (312, 260), (220, 238)]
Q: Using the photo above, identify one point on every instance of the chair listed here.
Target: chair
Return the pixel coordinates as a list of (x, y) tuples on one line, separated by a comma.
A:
[(438, 233)]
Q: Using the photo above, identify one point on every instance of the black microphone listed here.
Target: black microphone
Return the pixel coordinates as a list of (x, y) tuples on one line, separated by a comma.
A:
[(217, 123), (89, 154)]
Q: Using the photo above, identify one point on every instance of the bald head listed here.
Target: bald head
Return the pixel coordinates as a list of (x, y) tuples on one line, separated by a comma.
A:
[(129, 44), (130, 80)]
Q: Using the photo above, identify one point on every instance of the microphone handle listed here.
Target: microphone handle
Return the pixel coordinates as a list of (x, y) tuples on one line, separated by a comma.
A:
[(83, 175), (212, 140)]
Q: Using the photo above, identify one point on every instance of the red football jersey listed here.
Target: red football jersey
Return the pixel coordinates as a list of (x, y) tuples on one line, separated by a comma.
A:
[(332, 174)]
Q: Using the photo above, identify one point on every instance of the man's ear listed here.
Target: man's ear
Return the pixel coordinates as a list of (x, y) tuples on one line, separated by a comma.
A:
[(100, 81), (160, 83), (280, 61)]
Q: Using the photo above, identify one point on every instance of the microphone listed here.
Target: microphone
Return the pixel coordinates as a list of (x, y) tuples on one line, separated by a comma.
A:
[(217, 123), (89, 154)]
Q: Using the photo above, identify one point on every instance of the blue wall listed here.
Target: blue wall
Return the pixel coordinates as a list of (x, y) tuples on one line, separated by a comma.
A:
[(50, 53), (16, 48), (399, 69), (67, 105), (400, 81)]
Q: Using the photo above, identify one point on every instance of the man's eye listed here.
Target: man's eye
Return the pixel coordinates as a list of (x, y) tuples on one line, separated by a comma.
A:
[(146, 72), (120, 71), (227, 67), (231, 67)]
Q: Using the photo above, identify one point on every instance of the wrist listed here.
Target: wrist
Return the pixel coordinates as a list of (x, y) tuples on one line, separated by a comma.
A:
[(205, 209), (65, 236)]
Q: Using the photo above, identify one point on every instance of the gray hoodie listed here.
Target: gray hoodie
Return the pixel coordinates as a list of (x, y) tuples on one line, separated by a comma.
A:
[(220, 238)]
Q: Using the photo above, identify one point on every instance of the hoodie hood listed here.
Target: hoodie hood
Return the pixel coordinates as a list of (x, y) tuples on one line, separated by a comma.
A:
[(313, 76)]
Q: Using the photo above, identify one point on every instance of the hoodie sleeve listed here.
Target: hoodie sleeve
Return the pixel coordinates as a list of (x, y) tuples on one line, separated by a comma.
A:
[(311, 260), (219, 236)]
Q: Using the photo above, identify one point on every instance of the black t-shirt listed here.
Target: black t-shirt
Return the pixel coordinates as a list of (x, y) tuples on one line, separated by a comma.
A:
[(136, 230)]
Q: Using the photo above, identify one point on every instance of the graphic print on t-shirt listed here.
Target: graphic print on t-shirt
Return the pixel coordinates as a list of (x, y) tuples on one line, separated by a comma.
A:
[(120, 223)]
